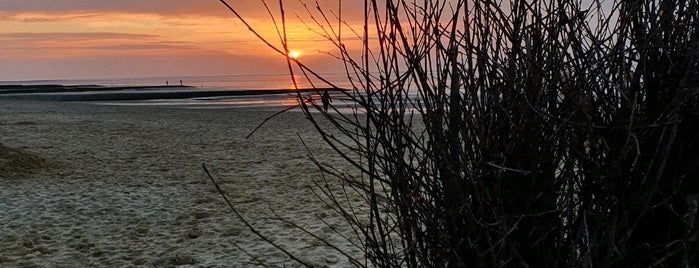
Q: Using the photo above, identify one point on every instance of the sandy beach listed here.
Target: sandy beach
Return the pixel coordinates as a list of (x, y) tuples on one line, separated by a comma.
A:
[(123, 186)]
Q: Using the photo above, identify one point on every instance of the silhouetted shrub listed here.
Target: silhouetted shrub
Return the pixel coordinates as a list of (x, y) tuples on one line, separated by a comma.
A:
[(518, 133)]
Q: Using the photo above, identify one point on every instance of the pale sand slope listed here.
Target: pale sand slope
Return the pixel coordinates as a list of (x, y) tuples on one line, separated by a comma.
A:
[(129, 189)]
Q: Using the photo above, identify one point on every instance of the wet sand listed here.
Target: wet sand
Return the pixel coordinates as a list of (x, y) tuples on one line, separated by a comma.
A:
[(124, 187)]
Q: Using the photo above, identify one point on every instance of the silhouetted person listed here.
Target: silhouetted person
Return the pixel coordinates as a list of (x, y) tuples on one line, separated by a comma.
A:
[(167, 83), (180, 82), (326, 100)]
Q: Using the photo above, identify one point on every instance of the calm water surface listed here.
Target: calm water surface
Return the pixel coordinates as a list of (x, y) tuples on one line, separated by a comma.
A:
[(232, 82), (226, 82)]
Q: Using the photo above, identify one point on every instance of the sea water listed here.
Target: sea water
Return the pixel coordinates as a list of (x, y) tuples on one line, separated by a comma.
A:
[(230, 82), (213, 82), (223, 82)]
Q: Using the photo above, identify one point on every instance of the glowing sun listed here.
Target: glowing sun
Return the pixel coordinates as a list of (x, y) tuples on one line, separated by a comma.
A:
[(294, 54)]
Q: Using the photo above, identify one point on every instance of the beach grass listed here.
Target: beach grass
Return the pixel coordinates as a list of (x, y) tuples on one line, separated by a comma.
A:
[(19, 163)]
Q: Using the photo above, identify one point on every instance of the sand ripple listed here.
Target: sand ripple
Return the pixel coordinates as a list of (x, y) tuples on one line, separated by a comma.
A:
[(130, 191)]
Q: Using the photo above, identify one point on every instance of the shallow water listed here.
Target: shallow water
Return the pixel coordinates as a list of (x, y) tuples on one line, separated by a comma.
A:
[(231, 82)]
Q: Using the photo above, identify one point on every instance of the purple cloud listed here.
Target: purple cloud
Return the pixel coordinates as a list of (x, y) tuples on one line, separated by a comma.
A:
[(194, 7)]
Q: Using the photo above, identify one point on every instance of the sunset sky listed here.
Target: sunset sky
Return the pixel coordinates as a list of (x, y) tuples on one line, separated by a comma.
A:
[(74, 39)]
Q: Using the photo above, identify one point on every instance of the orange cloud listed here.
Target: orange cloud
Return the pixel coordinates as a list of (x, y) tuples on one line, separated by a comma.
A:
[(114, 32)]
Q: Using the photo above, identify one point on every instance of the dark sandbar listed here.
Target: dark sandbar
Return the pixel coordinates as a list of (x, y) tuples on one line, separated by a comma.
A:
[(99, 93)]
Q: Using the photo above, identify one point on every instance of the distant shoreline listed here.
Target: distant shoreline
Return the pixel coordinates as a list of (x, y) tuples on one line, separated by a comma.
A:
[(50, 92), (236, 81), (53, 88)]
